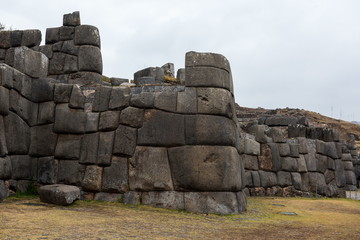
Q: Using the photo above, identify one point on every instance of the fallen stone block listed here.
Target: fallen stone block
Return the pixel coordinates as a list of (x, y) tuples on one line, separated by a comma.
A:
[(59, 194)]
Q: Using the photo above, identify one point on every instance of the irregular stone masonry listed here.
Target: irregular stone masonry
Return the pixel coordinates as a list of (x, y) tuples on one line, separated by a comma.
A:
[(283, 156), (163, 141)]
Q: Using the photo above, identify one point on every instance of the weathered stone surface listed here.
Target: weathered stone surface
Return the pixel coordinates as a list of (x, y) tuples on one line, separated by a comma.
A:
[(87, 35), (125, 140), (164, 199), (296, 180), (247, 180), (59, 194), (90, 59), (4, 100), (67, 33), (70, 172), (5, 39), (348, 165), (311, 162), (24, 108), (149, 170), (46, 113), (108, 197), (62, 63), (161, 129), (284, 149), (89, 148), (68, 146), (268, 179), (276, 134), (72, 19), (265, 158), (132, 198), (6, 76), (52, 35), (303, 148), (215, 101), (211, 202), (92, 122), (43, 140), (249, 146), (31, 38), (289, 164), (75, 120), (46, 50), (350, 178), (153, 74), (3, 146), (17, 134), (284, 179), (207, 77), (4, 192), (317, 183), (47, 170), (86, 78), (186, 101), (109, 120), (329, 176), (92, 178), (106, 141), (301, 162), (132, 117), (250, 162), (62, 92), (77, 98), (197, 59), (5, 168), (297, 130), (321, 163), (279, 120), (340, 173), (143, 100), (115, 177), (205, 130), (255, 178), (294, 150), (165, 101), (198, 168), (21, 167), (101, 99), (119, 98)]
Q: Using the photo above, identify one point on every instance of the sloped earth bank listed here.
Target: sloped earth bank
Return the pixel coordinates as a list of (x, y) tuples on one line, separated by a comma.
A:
[(315, 219)]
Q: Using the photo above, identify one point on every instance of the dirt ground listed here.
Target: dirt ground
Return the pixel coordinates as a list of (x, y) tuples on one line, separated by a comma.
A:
[(316, 219)]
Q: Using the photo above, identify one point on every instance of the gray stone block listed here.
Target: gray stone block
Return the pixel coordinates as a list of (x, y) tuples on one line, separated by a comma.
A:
[(186, 101), (87, 35), (276, 159), (205, 168), (321, 163), (311, 162), (108, 197), (197, 59), (350, 178), (143, 100), (279, 120), (105, 149), (211, 202), (5, 39), (296, 180), (92, 178), (67, 33), (6, 76), (329, 176), (5, 168), (301, 162), (46, 50), (59, 194), (62, 63), (284, 179), (47, 170), (259, 132), (46, 113), (86, 78), (90, 59), (289, 164), (3, 146), (161, 129), (62, 92), (166, 199), (24, 108), (317, 183), (115, 177), (72, 19), (4, 191), (294, 150), (284, 149), (4, 99), (119, 98), (268, 179), (31, 38), (297, 130), (276, 134), (52, 35), (303, 147), (247, 179), (340, 173), (249, 146), (77, 98), (132, 117), (68, 146), (255, 178), (42, 90), (155, 73), (149, 170), (132, 198), (207, 77), (89, 148), (75, 120), (144, 81), (92, 122), (101, 99), (165, 101), (206, 130), (109, 120), (17, 134), (348, 165), (118, 81), (43, 140), (20, 167), (70, 172), (215, 101), (16, 37), (250, 162), (125, 140)]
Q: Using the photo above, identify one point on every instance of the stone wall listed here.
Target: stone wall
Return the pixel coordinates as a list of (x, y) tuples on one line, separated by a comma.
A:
[(172, 146), (283, 156)]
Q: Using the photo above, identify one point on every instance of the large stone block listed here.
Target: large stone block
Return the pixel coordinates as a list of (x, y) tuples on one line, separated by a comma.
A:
[(268, 179), (132, 117), (92, 122), (89, 148), (3, 146), (143, 100), (31, 38), (197, 59), (115, 177), (250, 162), (119, 98), (294, 150), (52, 35), (86, 78), (255, 178), (70, 172), (321, 163), (108, 197), (149, 170), (105, 149), (350, 178), (265, 158), (125, 140), (215, 101), (297, 130), (32, 63), (301, 162), (59, 194), (208, 130), (6, 76), (208, 77), (17, 134), (317, 183), (5, 168), (5, 39), (289, 164), (101, 99), (46, 113), (205, 168), (259, 131), (161, 129), (68, 146), (296, 180), (4, 191), (212, 202), (165, 101), (303, 147), (279, 120), (186, 101), (90, 59), (164, 199), (21, 167), (4, 100), (277, 134), (69, 46), (43, 140), (24, 108), (284, 179), (249, 146), (62, 63), (62, 92), (87, 35), (69, 120), (92, 178), (47, 170), (77, 98), (340, 173), (109, 120)]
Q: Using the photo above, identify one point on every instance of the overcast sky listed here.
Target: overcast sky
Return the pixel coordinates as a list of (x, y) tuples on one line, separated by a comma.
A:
[(283, 53)]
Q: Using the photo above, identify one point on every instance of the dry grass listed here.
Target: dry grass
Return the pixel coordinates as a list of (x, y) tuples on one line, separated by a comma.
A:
[(316, 219)]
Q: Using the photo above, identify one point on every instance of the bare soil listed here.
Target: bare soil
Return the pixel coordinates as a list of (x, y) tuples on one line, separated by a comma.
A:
[(315, 219)]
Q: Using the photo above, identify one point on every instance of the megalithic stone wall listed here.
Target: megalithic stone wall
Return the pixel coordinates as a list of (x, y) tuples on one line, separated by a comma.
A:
[(173, 146)]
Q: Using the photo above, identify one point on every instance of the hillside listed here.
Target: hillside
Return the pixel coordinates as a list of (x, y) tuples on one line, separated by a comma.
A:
[(346, 129)]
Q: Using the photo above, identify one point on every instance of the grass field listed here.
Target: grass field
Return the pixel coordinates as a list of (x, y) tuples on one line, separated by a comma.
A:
[(28, 218)]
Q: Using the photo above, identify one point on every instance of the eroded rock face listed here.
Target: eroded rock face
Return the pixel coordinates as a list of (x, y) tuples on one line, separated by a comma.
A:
[(59, 194)]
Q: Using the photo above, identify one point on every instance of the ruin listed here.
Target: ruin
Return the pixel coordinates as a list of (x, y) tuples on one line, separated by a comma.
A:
[(161, 141)]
